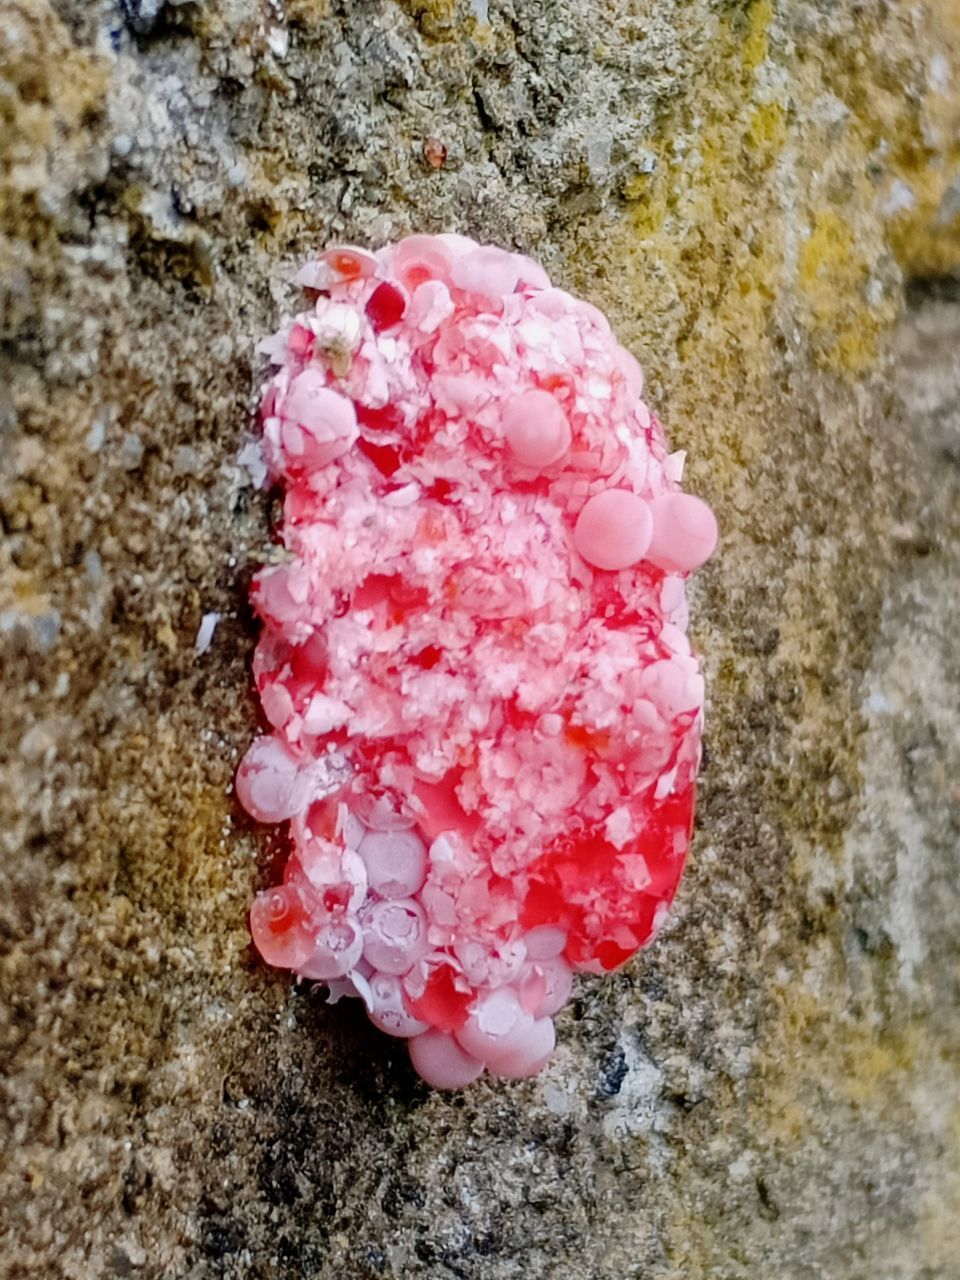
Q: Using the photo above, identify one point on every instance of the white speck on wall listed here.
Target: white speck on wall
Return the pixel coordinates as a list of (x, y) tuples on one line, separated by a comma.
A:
[(899, 198), (480, 10), (634, 1110), (741, 1168), (939, 73), (250, 458), (278, 38), (95, 436), (208, 625)]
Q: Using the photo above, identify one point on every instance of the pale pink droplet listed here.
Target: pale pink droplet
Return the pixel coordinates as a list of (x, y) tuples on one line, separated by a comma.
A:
[(389, 1009), (497, 1027), (270, 784), (530, 1055), (536, 429), (684, 532), (613, 530), (396, 862), (319, 424), (337, 948), (438, 1058), (488, 271), (395, 934)]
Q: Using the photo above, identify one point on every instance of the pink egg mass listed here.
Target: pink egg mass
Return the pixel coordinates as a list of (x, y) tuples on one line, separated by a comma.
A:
[(484, 712)]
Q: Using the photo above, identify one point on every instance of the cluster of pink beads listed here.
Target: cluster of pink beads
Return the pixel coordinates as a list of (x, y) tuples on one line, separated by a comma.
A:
[(485, 715)]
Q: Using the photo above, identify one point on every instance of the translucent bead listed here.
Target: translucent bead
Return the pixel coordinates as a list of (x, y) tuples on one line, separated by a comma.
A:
[(530, 1055), (613, 530), (684, 532), (438, 1058), (337, 948), (536, 429), (319, 424), (270, 783), (396, 862), (497, 1028), (389, 1009), (544, 987), (394, 934), (278, 927)]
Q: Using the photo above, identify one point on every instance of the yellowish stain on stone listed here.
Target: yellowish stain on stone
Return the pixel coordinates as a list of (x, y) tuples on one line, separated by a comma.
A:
[(53, 92), (924, 142), (832, 275), (756, 47), (767, 131)]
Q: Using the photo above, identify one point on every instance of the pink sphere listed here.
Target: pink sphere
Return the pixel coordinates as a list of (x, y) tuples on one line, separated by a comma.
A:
[(684, 532), (395, 934), (396, 862), (613, 530), (536, 429), (442, 1062), (271, 785)]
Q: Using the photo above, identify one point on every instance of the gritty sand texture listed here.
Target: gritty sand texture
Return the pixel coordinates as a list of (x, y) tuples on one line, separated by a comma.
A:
[(772, 1091)]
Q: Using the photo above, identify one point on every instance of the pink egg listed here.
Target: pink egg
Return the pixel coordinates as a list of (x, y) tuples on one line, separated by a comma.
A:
[(339, 877), (279, 928), (395, 934), (389, 1010), (270, 783), (420, 258), (487, 270), (337, 948), (544, 986), (531, 1054), (318, 424), (396, 862), (613, 530), (536, 429), (497, 1028), (349, 262), (632, 373), (684, 532), (442, 1062)]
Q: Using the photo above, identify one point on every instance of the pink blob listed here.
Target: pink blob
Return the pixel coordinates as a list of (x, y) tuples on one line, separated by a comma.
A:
[(530, 1055), (459, 442), (497, 1028), (270, 783), (339, 877), (421, 258), (318, 424), (546, 942), (684, 532), (457, 244), (613, 530), (389, 1009), (438, 1058), (536, 429), (395, 934), (337, 948), (396, 862), (489, 271), (544, 987), (279, 928), (350, 262), (632, 372), (532, 275)]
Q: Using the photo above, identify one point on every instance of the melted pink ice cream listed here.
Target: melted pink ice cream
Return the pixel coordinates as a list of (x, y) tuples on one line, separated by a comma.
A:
[(485, 712)]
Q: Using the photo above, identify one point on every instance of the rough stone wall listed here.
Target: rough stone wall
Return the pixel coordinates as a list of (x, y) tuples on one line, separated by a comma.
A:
[(745, 187)]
